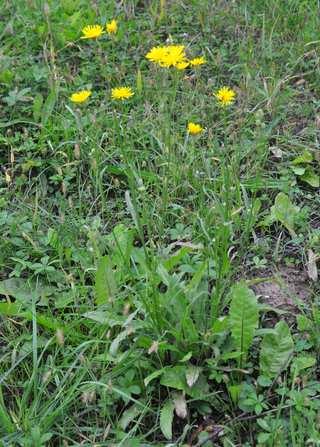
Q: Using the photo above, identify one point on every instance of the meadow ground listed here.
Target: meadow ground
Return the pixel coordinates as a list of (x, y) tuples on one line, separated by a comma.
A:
[(159, 244)]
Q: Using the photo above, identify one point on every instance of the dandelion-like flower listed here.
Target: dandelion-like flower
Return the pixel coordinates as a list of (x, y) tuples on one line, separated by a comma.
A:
[(197, 61), (225, 96), (81, 96), (156, 54), (121, 93), (112, 27), (92, 32), (194, 129), (182, 65), (169, 56)]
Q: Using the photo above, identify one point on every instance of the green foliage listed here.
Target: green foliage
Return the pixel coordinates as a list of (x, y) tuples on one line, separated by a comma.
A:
[(105, 287), (276, 350), (301, 167), (166, 419), (127, 245), (243, 318), (285, 212)]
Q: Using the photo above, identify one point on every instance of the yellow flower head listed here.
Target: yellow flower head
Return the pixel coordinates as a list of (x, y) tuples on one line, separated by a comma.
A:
[(121, 93), (194, 129), (92, 32), (156, 54), (197, 61), (182, 65), (112, 27), (81, 96), (169, 56), (225, 96)]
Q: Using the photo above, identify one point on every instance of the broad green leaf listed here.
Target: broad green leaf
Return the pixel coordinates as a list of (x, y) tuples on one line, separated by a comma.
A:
[(174, 378), (166, 419), (153, 376), (243, 318), (276, 350), (186, 357), (302, 362), (235, 391), (305, 157), (197, 276), (175, 259), (264, 381), (220, 325), (48, 106), (121, 243), (24, 291), (285, 212), (298, 170), (105, 286), (37, 107), (304, 323), (129, 415), (105, 317), (311, 178)]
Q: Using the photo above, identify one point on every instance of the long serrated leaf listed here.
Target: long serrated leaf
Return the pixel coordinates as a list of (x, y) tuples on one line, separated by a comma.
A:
[(243, 318), (105, 286), (276, 349), (48, 106), (166, 419), (153, 376), (37, 106), (129, 415)]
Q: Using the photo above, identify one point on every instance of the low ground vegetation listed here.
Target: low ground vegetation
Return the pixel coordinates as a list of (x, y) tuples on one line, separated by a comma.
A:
[(159, 218)]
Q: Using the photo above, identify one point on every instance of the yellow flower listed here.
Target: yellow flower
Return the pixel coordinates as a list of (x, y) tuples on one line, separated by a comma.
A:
[(156, 54), (194, 128), (197, 61), (121, 93), (169, 56), (81, 96), (225, 96), (112, 27), (182, 65), (175, 55), (92, 32)]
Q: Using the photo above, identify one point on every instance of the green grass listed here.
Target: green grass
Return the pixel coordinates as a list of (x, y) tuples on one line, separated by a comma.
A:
[(130, 249)]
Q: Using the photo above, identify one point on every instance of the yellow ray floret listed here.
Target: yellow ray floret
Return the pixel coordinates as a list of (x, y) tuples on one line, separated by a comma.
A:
[(112, 27), (169, 56), (194, 129), (121, 93), (225, 96), (80, 96), (197, 61), (92, 32), (182, 65)]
